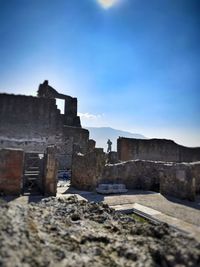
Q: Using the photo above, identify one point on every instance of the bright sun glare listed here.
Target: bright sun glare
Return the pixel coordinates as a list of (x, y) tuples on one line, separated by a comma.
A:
[(107, 3)]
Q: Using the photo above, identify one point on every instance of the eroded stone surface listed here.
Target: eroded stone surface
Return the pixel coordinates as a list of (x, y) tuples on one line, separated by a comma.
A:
[(60, 232), (173, 179), (87, 169), (33, 123)]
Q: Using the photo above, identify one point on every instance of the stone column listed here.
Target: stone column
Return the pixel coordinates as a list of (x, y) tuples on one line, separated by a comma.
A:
[(50, 172)]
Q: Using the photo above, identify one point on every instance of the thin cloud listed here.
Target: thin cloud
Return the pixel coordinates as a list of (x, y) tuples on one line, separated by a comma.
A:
[(89, 116)]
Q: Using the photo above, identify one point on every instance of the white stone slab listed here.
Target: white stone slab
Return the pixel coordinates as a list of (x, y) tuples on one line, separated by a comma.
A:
[(145, 209)]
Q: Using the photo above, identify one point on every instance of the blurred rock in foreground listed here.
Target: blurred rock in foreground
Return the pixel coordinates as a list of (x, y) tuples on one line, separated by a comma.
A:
[(68, 232)]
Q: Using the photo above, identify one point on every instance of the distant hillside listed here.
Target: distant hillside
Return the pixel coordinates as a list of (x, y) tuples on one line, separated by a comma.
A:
[(101, 135)]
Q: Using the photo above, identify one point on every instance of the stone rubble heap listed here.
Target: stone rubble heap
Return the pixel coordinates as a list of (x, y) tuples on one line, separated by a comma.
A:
[(67, 232)]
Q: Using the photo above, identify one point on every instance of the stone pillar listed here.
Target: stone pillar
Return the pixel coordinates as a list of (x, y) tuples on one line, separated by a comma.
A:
[(87, 169), (50, 172), (11, 171), (70, 106), (123, 149)]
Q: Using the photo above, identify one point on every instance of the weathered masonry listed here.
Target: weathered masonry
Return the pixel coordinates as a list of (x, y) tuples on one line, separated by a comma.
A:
[(18, 175), (180, 180), (156, 165), (155, 149), (33, 123)]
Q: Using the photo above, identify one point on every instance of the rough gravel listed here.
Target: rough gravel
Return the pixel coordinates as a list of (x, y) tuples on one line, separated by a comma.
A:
[(67, 232)]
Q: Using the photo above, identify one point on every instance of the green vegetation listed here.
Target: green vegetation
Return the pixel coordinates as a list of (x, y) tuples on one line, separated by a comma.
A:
[(138, 218)]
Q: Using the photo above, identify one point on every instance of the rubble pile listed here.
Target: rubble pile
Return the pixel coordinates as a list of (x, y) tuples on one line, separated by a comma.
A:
[(67, 232)]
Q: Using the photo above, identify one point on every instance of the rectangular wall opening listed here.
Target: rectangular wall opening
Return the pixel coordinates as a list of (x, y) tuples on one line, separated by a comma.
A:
[(61, 105)]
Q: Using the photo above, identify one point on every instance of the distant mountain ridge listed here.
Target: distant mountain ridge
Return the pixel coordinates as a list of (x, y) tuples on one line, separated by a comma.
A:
[(101, 135)]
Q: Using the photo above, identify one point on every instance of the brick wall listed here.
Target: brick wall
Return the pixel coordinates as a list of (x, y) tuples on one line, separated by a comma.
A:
[(11, 171)]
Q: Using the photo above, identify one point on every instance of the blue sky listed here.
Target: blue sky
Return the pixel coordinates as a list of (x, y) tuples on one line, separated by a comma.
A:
[(134, 66)]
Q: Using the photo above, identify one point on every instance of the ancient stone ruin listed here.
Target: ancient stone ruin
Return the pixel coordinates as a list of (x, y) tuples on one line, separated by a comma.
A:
[(36, 140), (154, 165), (14, 178), (32, 124)]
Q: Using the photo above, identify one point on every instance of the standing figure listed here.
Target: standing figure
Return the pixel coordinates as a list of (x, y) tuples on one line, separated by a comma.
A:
[(109, 146)]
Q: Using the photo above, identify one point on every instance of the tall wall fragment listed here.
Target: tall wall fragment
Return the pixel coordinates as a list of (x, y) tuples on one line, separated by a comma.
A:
[(155, 149), (50, 172), (11, 171), (87, 169), (33, 123)]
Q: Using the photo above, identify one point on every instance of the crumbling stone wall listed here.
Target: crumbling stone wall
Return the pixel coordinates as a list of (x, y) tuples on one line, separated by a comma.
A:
[(135, 174), (27, 117), (80, 138), (11, 171), (155, 149), (69, 141), (33, 123), (87, 169), (28, 122), (70, 113), (12, 168), (175, 179)]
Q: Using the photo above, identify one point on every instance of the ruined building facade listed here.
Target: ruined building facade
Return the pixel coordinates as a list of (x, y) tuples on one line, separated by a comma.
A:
[(34, 136), (33, 123), (156, 150), (147, 164)]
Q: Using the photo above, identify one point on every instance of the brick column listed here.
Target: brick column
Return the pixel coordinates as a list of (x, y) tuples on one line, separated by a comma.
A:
[(11, 171)]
